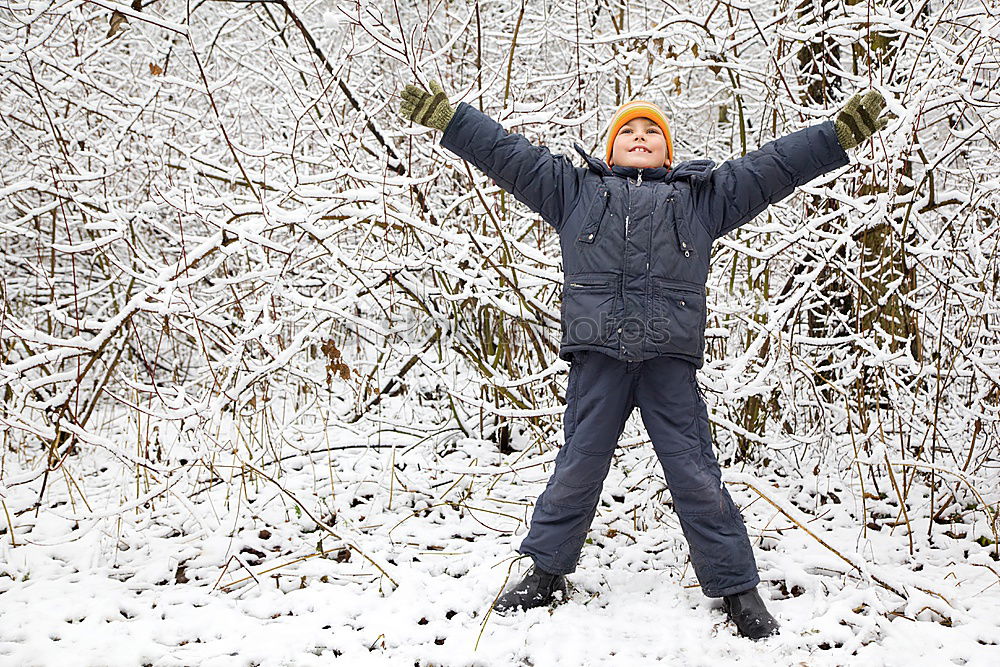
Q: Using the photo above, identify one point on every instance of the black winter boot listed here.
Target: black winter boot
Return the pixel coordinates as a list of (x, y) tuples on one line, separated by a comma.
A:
[(536, 589), (747, 610)]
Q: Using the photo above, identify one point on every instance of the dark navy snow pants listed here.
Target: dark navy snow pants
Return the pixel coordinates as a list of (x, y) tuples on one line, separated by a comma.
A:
[(601, 393)]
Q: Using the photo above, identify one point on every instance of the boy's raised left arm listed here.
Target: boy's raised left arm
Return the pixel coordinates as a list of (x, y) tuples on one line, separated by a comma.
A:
[(547, 183), (739, 189)]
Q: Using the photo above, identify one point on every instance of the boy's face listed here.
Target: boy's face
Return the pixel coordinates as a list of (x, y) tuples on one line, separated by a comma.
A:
[(639, 143)]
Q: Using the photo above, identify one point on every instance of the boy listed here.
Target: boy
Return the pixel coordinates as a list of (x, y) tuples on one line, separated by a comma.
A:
[(636, 235)]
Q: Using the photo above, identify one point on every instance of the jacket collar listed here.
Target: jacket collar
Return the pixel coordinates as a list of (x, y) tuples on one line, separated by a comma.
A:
[(693, 169), (648, 173)]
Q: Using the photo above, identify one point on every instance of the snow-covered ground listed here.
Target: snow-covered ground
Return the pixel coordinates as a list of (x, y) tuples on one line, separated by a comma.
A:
[(230, 574)]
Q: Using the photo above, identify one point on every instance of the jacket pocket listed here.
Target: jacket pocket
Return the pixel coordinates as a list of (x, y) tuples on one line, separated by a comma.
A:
[(596, 212), (682, 232), (678, 316), (588, 307)]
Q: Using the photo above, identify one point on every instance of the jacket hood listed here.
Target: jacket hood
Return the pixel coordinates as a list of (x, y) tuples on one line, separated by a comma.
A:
[(693, 169)]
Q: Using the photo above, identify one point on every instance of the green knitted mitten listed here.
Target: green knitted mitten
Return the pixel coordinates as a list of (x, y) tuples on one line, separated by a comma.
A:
[(859, 119), (430, 109)]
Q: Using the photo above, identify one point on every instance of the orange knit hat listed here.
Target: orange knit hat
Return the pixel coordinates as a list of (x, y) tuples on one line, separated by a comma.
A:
[(639, 109)]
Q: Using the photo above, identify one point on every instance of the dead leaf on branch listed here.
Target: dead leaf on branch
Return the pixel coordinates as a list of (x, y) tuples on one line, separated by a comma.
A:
[(335, 365), (155, 69), (117, 18)]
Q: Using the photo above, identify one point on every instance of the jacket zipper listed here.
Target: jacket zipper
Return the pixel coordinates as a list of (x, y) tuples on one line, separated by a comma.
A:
[(628, 212), (649, 249), (638, 182)]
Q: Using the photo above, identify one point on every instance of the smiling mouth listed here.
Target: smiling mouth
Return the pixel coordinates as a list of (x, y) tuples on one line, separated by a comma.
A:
[(640, 148)]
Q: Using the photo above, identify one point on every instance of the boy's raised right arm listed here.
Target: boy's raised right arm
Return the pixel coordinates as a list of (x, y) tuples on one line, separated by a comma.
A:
[(547, 183)]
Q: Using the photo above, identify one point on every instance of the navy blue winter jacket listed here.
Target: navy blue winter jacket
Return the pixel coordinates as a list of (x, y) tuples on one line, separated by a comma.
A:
[(636, 243)]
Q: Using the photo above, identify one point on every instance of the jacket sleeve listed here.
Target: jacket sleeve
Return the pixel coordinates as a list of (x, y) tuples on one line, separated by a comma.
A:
[(739, 189), (548, 184)]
